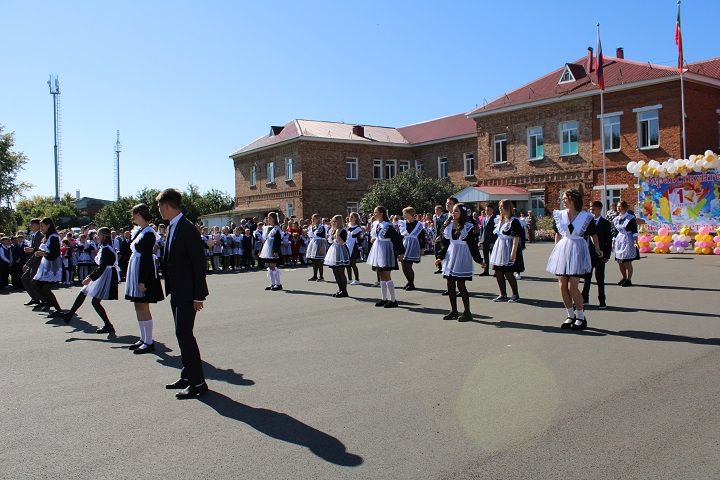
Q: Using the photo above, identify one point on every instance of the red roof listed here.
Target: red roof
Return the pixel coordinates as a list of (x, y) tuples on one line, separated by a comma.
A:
[(445, 127), (617, 71), (508, 190), (708, 68)]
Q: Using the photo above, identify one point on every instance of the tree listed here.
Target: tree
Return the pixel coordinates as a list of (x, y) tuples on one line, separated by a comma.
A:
[(117, 214), (408, 189), (64, 214), (11, 163)]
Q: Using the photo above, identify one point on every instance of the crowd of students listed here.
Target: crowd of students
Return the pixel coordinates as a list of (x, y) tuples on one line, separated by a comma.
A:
[(455, 236)]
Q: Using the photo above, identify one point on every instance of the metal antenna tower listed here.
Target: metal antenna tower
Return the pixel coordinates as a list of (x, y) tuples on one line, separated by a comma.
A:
[(54, 84), (118, 149)]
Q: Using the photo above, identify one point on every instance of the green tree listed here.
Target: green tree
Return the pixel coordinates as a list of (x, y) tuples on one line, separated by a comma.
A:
[(117, 214), (64, 214), (408, 189), (11, 163)]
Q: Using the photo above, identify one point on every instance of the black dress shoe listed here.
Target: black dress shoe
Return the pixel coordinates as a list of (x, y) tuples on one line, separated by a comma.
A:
[(410, 287), (148, 349), (340, 295), (105, 329), (627, 283), (269, 287), (445, 293), (484, 274), (31, 302), (437, 271), (45, 308), (465, 317), (275, 288), (602, 306), (191, 391), (67, 317), (381, 303), (567, 323), (391, 304), (56, 314), (178, 384), (579, 324), (38, 307), (452, 316), (621, 282), (312, 279), (135, 346)]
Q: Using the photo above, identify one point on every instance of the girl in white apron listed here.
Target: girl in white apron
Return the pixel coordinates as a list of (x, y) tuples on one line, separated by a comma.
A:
[(354, 241), (101, 284), (338, 255), (386, 250), (50, 270), (506, 257), (624, 245), (413, 235), (270, 253), (317, 247)]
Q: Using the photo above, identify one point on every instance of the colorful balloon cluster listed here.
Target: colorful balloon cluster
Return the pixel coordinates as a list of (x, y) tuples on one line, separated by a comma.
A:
[(644, 242), (705, 244), (673, 167), (663, 241)]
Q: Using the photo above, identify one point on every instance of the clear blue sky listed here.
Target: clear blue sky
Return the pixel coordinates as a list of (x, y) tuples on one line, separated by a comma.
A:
[(188, 82)]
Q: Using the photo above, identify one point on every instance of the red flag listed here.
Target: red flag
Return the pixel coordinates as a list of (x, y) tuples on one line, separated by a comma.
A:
[(599, 62), (678, 39)]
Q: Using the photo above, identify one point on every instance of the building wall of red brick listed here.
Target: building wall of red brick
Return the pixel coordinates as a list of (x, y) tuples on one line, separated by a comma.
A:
[(455, 152), (701, 108)]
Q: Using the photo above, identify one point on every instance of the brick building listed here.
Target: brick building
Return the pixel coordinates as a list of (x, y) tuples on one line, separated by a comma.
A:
[(308, 166), (545, 135), (542, 138)]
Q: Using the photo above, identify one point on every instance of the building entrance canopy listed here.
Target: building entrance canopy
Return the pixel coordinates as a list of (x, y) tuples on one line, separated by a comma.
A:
[(488, 194)]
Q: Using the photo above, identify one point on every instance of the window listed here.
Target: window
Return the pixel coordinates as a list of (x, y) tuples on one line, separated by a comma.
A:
[(648, 129), (351, 168), (569, 138), (377, 170), (420, 165), (442, 167), (253, 175), (500, 148), (270, 172), (567, 76), (390, 169), (288, 169), (289, 210), (611, 130), (613, 197), (535, 143), (469, 162), (351, 207), (403, 166), (537, 203)]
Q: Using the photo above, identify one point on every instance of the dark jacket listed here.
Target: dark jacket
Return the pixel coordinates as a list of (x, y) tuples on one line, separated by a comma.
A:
[(185, 263), (604, 234)]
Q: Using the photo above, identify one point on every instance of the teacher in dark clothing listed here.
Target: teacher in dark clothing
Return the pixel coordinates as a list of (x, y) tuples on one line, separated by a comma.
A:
[(184, 266), (488, 236), (33, 263), (604, 234)]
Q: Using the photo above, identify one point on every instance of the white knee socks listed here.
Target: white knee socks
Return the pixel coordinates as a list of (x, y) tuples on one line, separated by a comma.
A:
[(391, 289), (146, 331), (383, 289), (276, 275), (271, 280)]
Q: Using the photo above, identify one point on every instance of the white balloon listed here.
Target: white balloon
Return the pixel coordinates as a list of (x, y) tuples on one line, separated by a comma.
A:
[(631, 167), (692, 158)]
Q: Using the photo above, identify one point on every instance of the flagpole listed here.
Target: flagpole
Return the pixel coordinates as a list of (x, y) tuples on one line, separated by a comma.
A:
[(682, 106), (602, 133), (681, 67)]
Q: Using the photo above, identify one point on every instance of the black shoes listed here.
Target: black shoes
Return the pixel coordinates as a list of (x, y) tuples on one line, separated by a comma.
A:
[(484, 274), (437, 271), (269, 287), (192, 391), (567, 323), (381, 303), (136, 345), (31, 302), (579, 324), (67, 317), (465, 317), (500, 298), (178, 384), (409, 287), (586, 300), (340, 294), (312, 279), (602, 306), (622, 281), (109, 329), (514, 299), (626, 283), (445, 293), (56, 314), (275, 288), (391, 304), (452, 316), (148, 349), (45, 308)]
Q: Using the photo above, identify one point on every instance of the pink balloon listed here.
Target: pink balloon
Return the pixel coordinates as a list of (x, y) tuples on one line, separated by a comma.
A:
[(700, 244), (717, 251), (716, 239), (704, 230), (662, 231)]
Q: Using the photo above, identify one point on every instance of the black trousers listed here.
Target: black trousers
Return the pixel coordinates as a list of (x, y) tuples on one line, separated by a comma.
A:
[(184, 316), (26, 279), (487, 248), (599, 268)]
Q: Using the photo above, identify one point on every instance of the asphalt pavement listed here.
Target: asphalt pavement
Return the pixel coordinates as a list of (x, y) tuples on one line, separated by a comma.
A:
[(307, 386)]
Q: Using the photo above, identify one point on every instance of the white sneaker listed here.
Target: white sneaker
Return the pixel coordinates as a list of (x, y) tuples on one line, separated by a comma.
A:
[(517, 276), (355, 282)]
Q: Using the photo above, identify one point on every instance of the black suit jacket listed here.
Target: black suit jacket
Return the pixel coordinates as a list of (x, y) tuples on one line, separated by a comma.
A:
[(33, 262), (185, 264), (604, 234), (488, 234)]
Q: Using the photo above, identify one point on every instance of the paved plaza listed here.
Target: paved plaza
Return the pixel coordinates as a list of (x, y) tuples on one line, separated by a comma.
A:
[(306, 386)]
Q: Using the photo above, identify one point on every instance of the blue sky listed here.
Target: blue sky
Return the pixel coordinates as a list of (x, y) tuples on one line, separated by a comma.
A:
[(188, 82)]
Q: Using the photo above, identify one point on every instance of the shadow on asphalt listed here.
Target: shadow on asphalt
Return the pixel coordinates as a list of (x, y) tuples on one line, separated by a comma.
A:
[(542, 303), (359, 299), (282, 426), (227, 375)]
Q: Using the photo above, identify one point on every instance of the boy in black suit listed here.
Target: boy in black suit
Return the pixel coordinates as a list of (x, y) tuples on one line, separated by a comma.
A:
[(488, 236), (604, 234), (185, 268)]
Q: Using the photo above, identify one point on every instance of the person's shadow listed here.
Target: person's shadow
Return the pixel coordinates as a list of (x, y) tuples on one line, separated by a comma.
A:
[(282, 426), (227, 375)]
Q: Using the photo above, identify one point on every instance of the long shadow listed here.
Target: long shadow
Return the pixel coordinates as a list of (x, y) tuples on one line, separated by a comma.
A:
[(227, 375), (540, 328), (658, 337), (442, 311), (542, 303), (282, 426), (126, 340), (351, 297), (672, 287)]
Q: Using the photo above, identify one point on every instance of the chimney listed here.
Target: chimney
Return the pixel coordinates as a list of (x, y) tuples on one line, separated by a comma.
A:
[(590, 60), (619, 52), (358, 130)]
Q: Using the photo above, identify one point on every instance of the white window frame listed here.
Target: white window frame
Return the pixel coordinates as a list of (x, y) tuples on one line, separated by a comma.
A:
[(377, 167), (351, 207), (496, 142), (352, 163), (469, 156), (289, 209), (403, 166), (533, 133), (567, 127), (289, 169), (420, 164), (253, 175), (439, 163), (566, 71), (644, 111), (390, 169), (270, 172), (609, 117)]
